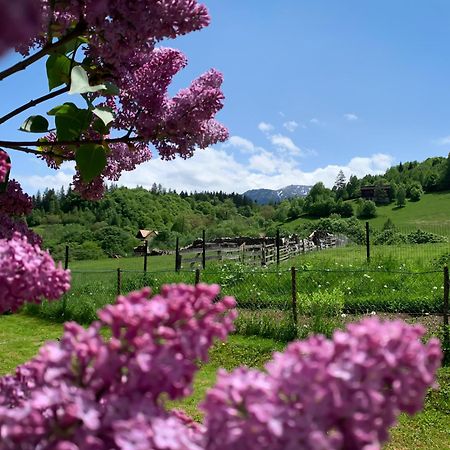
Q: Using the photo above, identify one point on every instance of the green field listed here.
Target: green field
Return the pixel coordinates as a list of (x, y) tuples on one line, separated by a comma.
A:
[(21, 336), (431, 213)]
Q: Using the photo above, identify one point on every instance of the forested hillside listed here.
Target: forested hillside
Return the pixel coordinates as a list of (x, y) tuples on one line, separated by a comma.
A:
[(108, 227)]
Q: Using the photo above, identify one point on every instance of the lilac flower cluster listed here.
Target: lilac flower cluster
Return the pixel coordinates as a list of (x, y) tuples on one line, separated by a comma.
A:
[(9, 226), (20, 20), (28, 274), (121, 157), (123, 28), (121, 39), (5, 165), (173, 125), (320, 394), (91, 392), (115, 28), (14, 201)]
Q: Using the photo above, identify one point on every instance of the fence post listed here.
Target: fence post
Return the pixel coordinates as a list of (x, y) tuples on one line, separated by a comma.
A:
[(278, 246), (445, 313), (145, 256), (66, 258), (368, 241), (177, 255), (294, 298), (204, 250), (197, 275), (119, 281), (66, 266)]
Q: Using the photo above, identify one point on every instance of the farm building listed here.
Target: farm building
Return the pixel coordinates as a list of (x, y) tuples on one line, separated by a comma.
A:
[(370, 192), (146, 235)]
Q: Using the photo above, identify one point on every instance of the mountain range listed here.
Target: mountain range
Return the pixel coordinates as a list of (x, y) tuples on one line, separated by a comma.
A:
[(265, 196)]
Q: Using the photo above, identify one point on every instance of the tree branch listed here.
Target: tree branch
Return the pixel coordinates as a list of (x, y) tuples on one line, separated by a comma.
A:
[(22, 65), (124, 139), (32, 103), (37, 152)]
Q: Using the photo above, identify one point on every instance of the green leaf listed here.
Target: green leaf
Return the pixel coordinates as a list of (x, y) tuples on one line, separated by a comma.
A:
[(80, 82), (35, 124), (111, 89), (62, 109), (104, 113), (100, 127), (58, 70), (70, 121), (72, 45), (91, 160)]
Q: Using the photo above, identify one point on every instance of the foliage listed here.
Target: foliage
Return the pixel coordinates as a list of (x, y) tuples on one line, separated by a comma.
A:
[(366, 209), (424, 237), (401, 197)]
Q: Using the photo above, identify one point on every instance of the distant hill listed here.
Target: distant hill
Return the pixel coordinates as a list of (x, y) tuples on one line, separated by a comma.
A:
[(265, 196)]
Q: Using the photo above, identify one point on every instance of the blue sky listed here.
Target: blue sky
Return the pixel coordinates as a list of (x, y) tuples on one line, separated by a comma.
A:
[(311, 87)]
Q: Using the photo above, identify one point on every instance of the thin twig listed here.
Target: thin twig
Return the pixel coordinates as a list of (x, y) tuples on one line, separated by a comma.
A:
[(123, 139), (32, 103), (22, 65), (37, 152)]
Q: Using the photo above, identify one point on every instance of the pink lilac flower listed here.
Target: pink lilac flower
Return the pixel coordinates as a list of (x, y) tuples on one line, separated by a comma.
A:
[(123, 27), (108, 393), (93, 190), (338, 394), (5, 165), (188, 120), (14, 201), (20, 20), (28, 274), (115, 28), (9, 226), (124, 158)]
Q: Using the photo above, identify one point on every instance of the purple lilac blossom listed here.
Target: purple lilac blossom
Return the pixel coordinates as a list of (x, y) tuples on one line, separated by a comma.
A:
[(343, 393), (5, 165), (14, 201), (28, 274), (20, 20), (100, 393)]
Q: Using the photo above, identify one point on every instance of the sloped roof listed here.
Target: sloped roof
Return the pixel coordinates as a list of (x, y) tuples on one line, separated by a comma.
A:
[(145, 234)]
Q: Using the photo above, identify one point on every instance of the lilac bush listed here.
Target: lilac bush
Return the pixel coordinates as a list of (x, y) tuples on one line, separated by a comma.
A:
[(88, 391), (105, 51), (28, 274)]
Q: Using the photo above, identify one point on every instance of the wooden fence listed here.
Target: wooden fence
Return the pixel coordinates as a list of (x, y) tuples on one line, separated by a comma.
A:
[(260, 254)]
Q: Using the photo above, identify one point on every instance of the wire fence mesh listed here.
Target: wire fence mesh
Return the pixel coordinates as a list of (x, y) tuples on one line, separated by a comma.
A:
[(282, 303)]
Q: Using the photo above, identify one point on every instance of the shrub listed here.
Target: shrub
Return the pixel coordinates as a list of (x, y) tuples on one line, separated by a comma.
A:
[(424, 237), (389, 237), (366, 210)]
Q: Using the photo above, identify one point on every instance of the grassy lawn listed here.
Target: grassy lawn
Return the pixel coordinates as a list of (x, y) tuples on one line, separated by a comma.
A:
[(21, 336), (431, 213)]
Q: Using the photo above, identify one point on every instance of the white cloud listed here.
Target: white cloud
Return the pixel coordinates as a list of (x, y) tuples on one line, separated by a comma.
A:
[(351, 117), (443, 141), (218, 169), (265, 127), (285, 143), (240, 143), (263, 162), (54, 180), (315, 121), (291, 125)]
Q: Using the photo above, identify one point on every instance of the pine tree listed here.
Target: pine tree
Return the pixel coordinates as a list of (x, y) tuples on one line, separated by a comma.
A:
[(341, 181)]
